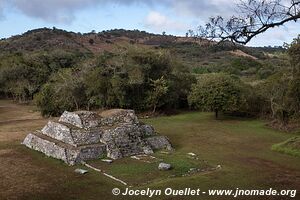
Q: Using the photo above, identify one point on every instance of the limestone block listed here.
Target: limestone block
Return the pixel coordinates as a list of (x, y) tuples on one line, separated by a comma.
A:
[(164, 166), (92, 152), (159, 142), (81, 119), (124, 141), (59, 132), (147, 130), (51, 149), (85, 137), (117, 116)]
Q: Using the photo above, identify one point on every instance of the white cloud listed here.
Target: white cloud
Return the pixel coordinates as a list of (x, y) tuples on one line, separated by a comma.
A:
[(64, 11), (159, 22), (276, 36)]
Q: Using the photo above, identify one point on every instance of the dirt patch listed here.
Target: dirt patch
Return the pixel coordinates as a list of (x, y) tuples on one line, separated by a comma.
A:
[(18, 175), (277, 174), (17, 130), (3, 152), (243, 54)]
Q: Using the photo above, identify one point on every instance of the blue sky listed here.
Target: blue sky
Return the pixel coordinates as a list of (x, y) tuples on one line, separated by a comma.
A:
[(173, 16)]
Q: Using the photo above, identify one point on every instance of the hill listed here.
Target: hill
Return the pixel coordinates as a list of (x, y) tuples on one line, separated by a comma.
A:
[(106, 69), (200, 55)]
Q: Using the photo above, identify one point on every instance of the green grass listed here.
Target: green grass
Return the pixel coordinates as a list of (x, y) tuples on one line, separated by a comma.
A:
[(241, 146), (290, 147), (137, 173)]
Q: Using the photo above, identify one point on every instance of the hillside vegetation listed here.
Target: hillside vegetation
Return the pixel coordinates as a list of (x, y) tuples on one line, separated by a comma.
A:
[(63, 70)]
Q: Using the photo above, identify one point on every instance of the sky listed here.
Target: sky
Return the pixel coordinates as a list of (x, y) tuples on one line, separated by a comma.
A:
[(174, 17)]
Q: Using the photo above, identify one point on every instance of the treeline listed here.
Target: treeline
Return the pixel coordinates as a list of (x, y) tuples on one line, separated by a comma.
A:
[(149, 79), (137, 78)]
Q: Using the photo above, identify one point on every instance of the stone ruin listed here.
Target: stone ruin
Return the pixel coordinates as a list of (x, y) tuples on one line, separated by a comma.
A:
[(84, 135)]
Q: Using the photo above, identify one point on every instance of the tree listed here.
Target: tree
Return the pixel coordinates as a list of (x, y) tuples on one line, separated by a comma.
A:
[(159, 89), (64, 91), (275, 89), (254, 17), (91, 41), (294, 54), (218, 93)]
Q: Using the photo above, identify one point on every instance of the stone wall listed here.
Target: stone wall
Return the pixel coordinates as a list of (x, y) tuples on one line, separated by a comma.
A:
[(51, 149), (123, 141), (58, 131), (67, 153)]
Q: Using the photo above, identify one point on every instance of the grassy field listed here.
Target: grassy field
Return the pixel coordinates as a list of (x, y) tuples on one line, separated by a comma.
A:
[(241, 147)]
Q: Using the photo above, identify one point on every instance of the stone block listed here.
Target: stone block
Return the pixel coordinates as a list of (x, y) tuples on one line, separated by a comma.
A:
[(159, 142), (81, 119)]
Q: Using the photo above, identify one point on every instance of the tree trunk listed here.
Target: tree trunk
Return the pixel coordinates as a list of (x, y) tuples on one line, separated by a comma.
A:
[(216, 113), (154, 109)]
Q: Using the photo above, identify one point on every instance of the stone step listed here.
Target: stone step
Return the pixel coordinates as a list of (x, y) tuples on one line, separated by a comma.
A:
[(62, 144), (72, 135), (57, 149)]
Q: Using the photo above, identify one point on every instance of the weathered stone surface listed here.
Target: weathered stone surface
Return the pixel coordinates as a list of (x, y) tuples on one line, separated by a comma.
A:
[(147, 130), (58, 131), (65, 152), (159, 142), (72, 135), (51, 149), (118, 116), (164, 166), (80, 171), (81, 119), (90, 152), (107, 160), (124, 141), (83, 135)]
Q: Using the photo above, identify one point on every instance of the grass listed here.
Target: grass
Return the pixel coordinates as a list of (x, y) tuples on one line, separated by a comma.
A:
[(137, 173), (241, 146), (290, 147)]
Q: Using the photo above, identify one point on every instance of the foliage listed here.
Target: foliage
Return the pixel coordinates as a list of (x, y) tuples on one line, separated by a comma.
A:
[(64, 91), (66, 71), (158, 91), (218, 93), (139, 79), (294, 52)]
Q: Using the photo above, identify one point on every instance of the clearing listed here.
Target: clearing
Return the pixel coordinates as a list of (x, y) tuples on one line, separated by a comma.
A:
[(241, 147)]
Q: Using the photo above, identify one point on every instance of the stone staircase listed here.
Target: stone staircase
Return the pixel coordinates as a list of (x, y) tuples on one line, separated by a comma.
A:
[(83, 135)]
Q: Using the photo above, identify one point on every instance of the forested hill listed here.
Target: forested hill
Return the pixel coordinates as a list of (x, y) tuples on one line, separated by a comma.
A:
[(120, 68), (46, 39), (200, 55)]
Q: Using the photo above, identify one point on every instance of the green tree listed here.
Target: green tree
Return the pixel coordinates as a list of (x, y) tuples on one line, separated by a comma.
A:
[(159, 89), (275, 89), (218, 93), (64, 91), (294, 54)]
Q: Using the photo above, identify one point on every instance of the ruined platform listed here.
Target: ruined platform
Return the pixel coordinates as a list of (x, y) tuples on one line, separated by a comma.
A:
[(84, 135)]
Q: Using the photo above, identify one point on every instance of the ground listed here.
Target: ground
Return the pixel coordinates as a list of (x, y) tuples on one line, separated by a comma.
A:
[(241, 147)]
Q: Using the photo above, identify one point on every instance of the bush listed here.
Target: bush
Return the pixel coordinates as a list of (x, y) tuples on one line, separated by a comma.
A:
[(218, 93)]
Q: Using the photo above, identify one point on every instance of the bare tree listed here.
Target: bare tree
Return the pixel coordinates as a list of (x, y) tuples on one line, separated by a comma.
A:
[(254, 17)]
